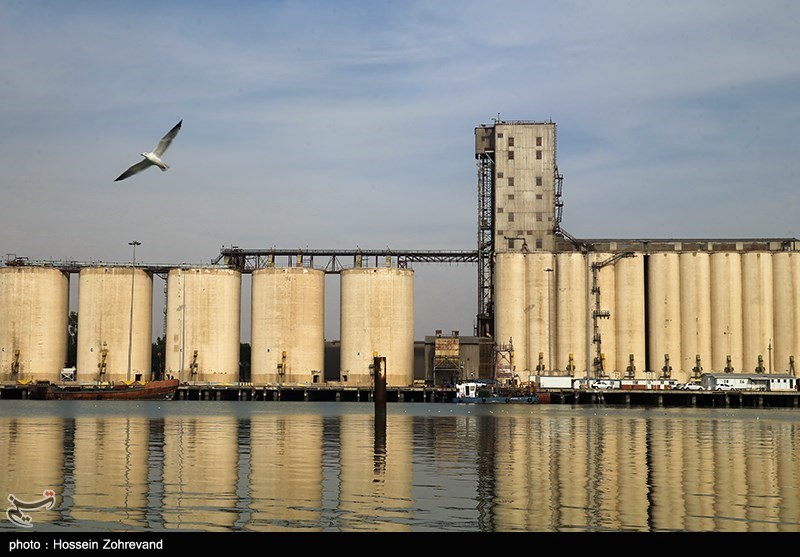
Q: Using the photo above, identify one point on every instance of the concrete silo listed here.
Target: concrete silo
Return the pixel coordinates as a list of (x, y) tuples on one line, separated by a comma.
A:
[(510, 297), (629, 316), (34, 305), (539, 309), (287, 325), (695, 289), (105, 331), (786, 316), (203, 324), (377, 316), (726, 312), (757, 325), (571, 312), (606, 326), (664, 313)]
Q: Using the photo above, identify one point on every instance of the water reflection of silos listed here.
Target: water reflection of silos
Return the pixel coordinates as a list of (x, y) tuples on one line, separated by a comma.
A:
[(32, 461), (200, 472), (203, 324), (695, 289), (286, 472), (287, 325), (664, 305), (377, 315), (375, 481), (110, 470), (510, 303), (105, 331), (726, 311), (34, 303), (629, 322), (758, 335)]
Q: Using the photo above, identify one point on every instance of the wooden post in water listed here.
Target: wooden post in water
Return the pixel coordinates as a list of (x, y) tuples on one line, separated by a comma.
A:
[(379, 373)]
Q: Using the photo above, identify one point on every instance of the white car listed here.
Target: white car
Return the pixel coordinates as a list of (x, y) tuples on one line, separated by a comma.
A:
[(692, 387), (602, 385), (724, 387)]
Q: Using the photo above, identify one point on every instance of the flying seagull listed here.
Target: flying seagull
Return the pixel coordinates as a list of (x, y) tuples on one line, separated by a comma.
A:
[(154, 158)]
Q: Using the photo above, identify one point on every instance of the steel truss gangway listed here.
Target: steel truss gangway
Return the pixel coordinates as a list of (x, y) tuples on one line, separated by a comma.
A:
[(248, 260)]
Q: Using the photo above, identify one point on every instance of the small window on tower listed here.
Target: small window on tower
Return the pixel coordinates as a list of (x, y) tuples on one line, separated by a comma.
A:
[(538, 217), (511, 217), (499, 174), (538, 141), (500, 134), (538, 244), (511, 155), (511, 182), (510, 141), (511, 197), (538, 196), (539, 155), (538, 180)]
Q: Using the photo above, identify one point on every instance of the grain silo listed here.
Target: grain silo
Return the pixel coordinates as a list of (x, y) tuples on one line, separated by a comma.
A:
[(34, 305), (757, 325), (539, 309), (664, 306), (726, 312), (629, 297), (203, 324), (510, 303), (106, 334), (603, 299), (786, 316), (571, 312), (377, 316), (695, 290), (287, 325)]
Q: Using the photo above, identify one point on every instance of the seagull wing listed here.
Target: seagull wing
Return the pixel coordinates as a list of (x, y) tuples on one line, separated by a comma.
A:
[(138, 167), (167, 139)]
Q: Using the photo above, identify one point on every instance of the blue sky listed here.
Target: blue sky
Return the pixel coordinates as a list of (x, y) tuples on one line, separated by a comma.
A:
[(350, 124)]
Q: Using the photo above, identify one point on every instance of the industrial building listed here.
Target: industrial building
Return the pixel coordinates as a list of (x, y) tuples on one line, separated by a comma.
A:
[(548, 303)]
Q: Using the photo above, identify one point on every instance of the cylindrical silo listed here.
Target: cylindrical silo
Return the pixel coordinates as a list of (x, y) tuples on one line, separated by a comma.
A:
[(629, 321), (757, 323), (377, 316), (786, 315), (695, 288), (664, 305), (203, 324), (510, 301), (287, 325), (106, 334), (571, 315), (606, 327), (726, 312), (34, 306), (539, 310)]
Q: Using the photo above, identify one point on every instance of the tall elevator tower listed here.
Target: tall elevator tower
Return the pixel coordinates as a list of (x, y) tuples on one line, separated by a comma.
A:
[(519, 199)]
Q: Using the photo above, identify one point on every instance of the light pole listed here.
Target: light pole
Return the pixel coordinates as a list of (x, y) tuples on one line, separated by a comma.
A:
[(130, 325), (549, 271)]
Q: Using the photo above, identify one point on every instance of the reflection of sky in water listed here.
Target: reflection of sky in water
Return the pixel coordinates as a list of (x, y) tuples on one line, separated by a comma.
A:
[(208, 466)]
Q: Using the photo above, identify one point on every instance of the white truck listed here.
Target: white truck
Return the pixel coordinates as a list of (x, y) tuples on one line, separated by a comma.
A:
[(554, 381)]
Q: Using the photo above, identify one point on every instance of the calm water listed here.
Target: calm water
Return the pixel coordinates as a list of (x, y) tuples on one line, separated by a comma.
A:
[(302, 466)]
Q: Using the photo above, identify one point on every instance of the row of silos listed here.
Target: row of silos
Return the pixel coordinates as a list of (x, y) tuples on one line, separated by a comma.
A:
[(681, 312), (203, 312)]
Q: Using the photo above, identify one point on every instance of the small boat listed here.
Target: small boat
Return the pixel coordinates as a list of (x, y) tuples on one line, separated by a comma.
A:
[(489, 391), (148, 390)]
